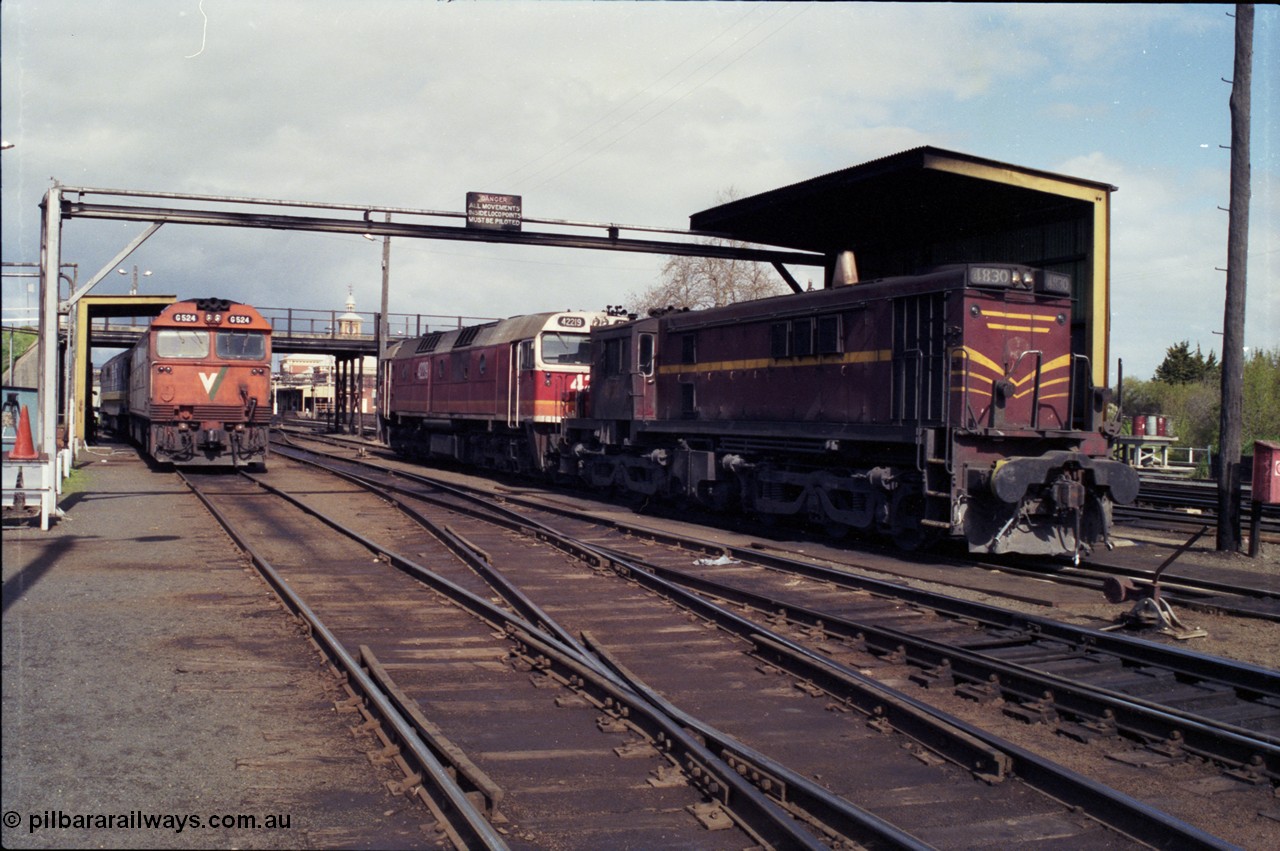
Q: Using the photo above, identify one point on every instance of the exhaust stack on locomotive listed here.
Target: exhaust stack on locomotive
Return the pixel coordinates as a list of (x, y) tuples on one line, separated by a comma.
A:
[(846, 269)]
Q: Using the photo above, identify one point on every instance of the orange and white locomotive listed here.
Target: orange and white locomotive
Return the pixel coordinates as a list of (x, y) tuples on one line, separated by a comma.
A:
[(196, 389)]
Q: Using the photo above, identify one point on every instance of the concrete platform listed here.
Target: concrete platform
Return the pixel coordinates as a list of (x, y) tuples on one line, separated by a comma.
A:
[(150, 676)]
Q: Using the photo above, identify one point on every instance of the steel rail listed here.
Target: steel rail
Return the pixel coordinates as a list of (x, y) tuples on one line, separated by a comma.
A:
[(1223, 742), (747, 805), (466, 825), (783, 784), (833, 811), (1239, 675), (469, 554), (942, 734), (924, 723), (466, 771), (1115, 809), (1089, 575)]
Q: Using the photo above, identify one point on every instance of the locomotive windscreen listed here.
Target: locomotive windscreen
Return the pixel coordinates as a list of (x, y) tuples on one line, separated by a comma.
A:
[(241, 345), (181, 343), (559, 347)]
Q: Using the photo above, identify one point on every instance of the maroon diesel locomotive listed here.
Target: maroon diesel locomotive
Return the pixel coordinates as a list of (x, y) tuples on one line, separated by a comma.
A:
[(196, 389), (940, 405), (946, 404)]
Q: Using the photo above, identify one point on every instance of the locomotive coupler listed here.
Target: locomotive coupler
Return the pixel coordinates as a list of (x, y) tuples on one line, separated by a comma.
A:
[(212, 438)]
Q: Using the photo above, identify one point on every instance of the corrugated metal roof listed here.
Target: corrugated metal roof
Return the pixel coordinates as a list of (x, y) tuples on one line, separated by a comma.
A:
[(921, 196)]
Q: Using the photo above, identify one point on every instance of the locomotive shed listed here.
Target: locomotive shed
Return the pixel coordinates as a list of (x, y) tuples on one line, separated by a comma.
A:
[(928, 207)]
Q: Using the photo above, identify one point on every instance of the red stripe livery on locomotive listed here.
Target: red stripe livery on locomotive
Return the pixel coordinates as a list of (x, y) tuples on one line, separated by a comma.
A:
[(491, 395)]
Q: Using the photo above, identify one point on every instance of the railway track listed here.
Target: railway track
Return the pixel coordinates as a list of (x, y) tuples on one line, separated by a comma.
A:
[(1261, 599), (1117, 674), (1162, 503), (548, 753), (814, 668)]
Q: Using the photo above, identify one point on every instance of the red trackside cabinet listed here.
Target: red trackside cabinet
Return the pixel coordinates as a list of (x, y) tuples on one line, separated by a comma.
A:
[(1266, 472)]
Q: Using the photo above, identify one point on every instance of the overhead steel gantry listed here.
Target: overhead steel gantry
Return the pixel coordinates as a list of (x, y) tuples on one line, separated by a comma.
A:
[(67, 202)]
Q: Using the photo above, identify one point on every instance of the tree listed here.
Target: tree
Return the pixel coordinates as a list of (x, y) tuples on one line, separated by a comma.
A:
[(15, 344), (697, 283), (701, 282), (1194, 408), (1180, 366), (1261, 397)]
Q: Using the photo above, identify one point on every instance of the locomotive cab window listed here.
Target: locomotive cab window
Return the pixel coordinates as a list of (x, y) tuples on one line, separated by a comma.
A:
[(561, 348), (779, 340), (645, 359), (526, 355), (181, 343), (830, 340), (614, 363), (241, 345), (802, 338), (689, 348)]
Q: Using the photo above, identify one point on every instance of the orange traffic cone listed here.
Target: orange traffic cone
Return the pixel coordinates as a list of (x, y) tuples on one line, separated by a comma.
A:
[(23, 447)]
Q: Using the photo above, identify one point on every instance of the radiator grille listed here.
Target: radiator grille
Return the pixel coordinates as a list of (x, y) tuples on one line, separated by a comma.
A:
[(224, 413)]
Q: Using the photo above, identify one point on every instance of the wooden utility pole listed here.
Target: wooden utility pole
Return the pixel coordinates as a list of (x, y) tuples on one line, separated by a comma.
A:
[(1229, 538)]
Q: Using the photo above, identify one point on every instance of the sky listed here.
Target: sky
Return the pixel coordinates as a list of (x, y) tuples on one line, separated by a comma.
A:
[(630, 113)]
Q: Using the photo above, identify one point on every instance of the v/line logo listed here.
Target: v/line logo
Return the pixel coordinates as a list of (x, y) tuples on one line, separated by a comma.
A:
[(212, 380)]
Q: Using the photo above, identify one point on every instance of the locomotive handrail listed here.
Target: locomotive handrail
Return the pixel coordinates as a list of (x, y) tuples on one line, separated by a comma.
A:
[(972, 421), (921, 451), (1035, 398), (1071, 394)]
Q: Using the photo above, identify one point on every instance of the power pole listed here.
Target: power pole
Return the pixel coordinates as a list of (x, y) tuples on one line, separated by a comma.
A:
[(1229, 538)]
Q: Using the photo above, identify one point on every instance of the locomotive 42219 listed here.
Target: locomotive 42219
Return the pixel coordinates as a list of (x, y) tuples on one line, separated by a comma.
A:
[(945, 404)]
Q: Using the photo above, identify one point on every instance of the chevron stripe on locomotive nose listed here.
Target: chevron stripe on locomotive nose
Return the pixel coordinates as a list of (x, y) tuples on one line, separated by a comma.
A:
[(977, 358)]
